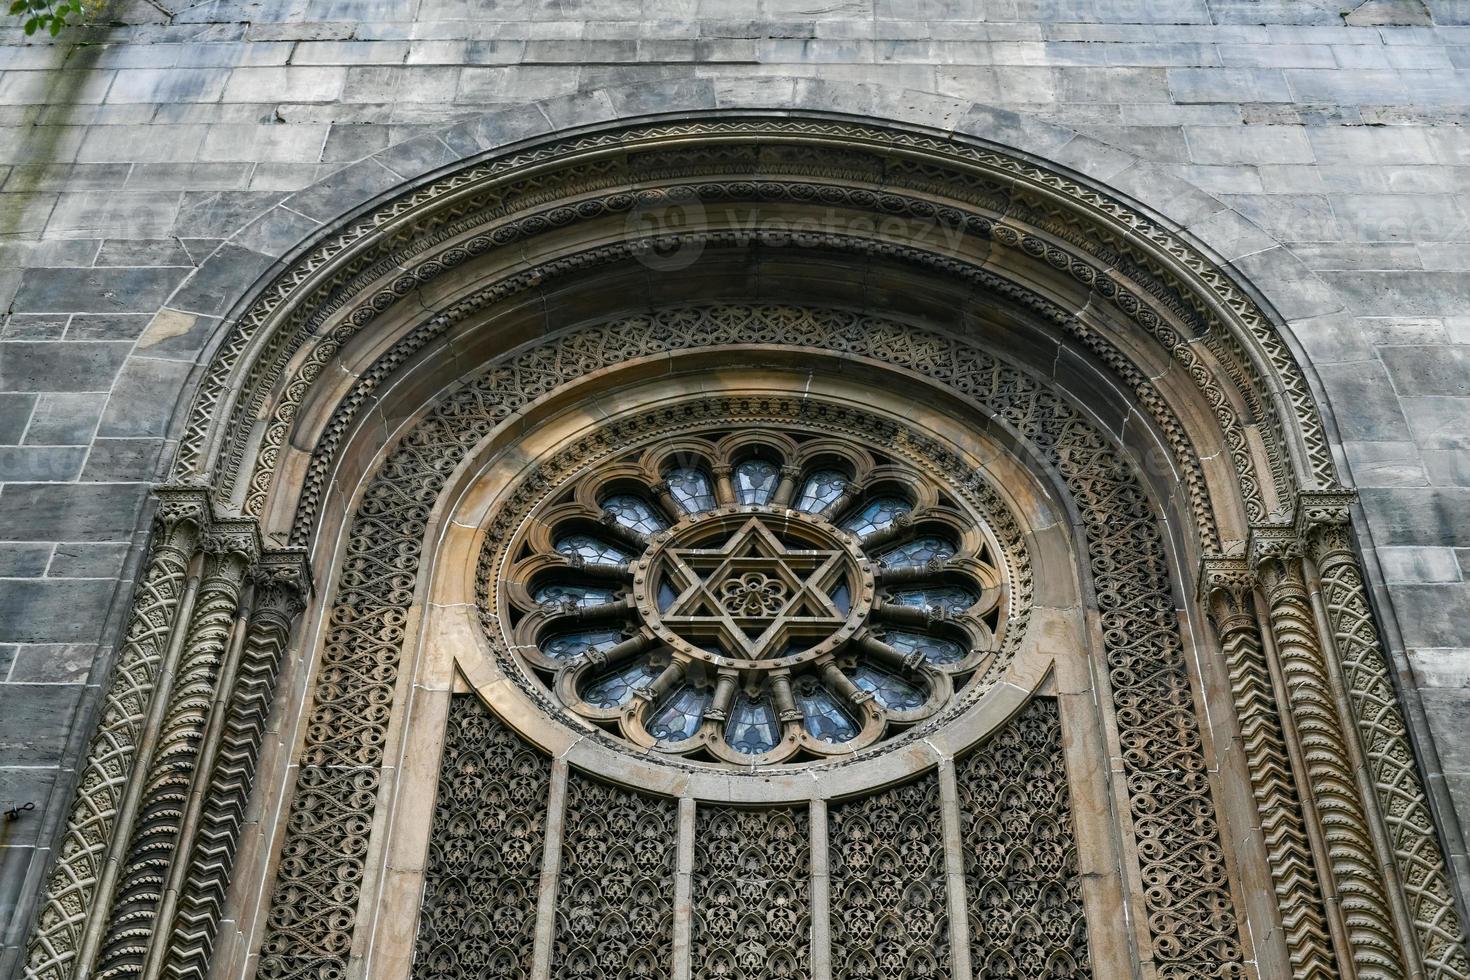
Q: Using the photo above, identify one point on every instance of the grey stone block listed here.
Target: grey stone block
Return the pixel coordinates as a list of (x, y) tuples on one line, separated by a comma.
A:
[(1234, 144), (144, 399), (1429, 370), (220, 215), (23, 327), (1439, 422), (1385, 464), (20, 785), (285, 83), (1371, 293), (1447, 467), (131, 290), (15, 415), (83, 559), (52, 663), (1419, 565), (113, 214), (38, 719), (1228, 85), (66, 366), (114, 460), (69, 512), (168, 85), (98, 326), (1430, 616), (1364, 401), (1419, 516), (1401, 217), (263, 143), (209, 291), (143, 251), (1288, 217), (24, 559), (41, 463)]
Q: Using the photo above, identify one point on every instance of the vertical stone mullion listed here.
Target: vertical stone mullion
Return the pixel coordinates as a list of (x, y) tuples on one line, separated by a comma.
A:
[(231, 547), (1227, 587), (684, 890), (1338, 815), (1412, 856), (71, 917), (556, 819), (954, 873), (821, 893), (281, 581)]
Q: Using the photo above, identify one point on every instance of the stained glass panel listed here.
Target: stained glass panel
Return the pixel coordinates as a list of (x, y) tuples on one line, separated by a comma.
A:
[(634, 512), (936, 650), (616, 687), (755, 481), (592, 550), (917, 552), (821, 712), (679, 717), (876, 514), (753, 727), (820, 489), (691, 488), (951, 598), (889, 690), (581, 596), (569, 645)]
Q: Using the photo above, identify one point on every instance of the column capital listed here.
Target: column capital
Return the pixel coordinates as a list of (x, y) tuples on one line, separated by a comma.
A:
[(1323, 508), (182, 503), (1225, 588), (1272, 543), (233, 536)]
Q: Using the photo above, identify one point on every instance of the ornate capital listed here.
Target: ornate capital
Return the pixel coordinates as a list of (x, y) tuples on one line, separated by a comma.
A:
[(182, 508), (1225, 587), (1324, 523), (282, 579)]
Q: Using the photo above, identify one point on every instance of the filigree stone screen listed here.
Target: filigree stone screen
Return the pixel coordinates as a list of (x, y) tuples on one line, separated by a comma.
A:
[(479, 906)]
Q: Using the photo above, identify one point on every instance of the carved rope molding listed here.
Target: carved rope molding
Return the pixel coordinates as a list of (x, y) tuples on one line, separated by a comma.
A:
[(1324, 526), (1188, 904), (333, 272), (1227, 586)]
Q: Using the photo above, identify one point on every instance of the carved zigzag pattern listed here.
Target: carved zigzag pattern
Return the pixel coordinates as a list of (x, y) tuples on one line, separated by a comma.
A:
[(1289, 855), (201, 901), (1401, 796)]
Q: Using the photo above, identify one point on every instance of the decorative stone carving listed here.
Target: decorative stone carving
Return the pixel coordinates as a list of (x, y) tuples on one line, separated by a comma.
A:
[(751, 903), (281, 581), (614, 900), (478, 916), (1227, 586), (101, 812), (1333, 805), (890, 919), (1020, 858), (1378, 721)]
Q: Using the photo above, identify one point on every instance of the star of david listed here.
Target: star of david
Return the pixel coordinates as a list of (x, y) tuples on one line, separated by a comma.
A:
[(754, 597)]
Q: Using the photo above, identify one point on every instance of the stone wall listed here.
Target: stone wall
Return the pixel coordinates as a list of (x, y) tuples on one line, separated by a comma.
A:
[(1320, 147)]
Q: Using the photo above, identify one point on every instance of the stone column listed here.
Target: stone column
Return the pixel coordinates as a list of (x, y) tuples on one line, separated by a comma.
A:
[(195, 899), (1227, 587), (68, 907), (1334, 809), (1416, 862), (231, 547)]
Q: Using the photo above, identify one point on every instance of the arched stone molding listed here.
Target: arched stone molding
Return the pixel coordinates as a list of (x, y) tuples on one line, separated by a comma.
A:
[(310, 376)]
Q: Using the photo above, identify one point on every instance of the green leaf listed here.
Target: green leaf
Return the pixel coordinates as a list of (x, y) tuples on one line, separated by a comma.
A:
[(32, 24), (56, 25), (18, 7)]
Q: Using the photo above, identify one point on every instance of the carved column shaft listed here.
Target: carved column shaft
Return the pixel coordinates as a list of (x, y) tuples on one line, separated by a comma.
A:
[(1335, 810), (1373, 713), (281, 583), (1228, 588), (230, 548), (72, 891)]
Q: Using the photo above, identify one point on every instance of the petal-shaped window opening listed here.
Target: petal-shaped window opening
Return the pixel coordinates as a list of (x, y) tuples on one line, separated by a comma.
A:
[(753, 727), (691, 488), (567, 646), (579, 596), (876, 514), (755, 481), (635, 513), (822, 713), (678, 717), (936, 649), (592, 550)]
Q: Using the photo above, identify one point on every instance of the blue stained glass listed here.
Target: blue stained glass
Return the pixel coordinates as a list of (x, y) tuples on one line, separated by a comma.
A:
[(917, 552), (821, 488), (755, 481), (889, 690), (634, 512), (821, 712), (691, 488), (569, 645), (949, 597), (752, 728), (876, 514), (842, 599), (581, 596), (616, 687), (592, 550), (936, 650), (679, 717), (666, 596)]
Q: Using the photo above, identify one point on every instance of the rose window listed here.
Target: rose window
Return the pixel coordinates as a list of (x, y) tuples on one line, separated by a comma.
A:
[(754, 598)]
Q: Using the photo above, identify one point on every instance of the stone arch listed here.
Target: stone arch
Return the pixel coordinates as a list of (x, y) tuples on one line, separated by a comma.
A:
[(342, 351)]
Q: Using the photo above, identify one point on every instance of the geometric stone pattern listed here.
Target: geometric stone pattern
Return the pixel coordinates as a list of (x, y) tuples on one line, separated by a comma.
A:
[(1025, 898), (890, 914), (1190, 915), (614, 909), (750, 906), (478, 914), (123, 162)]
